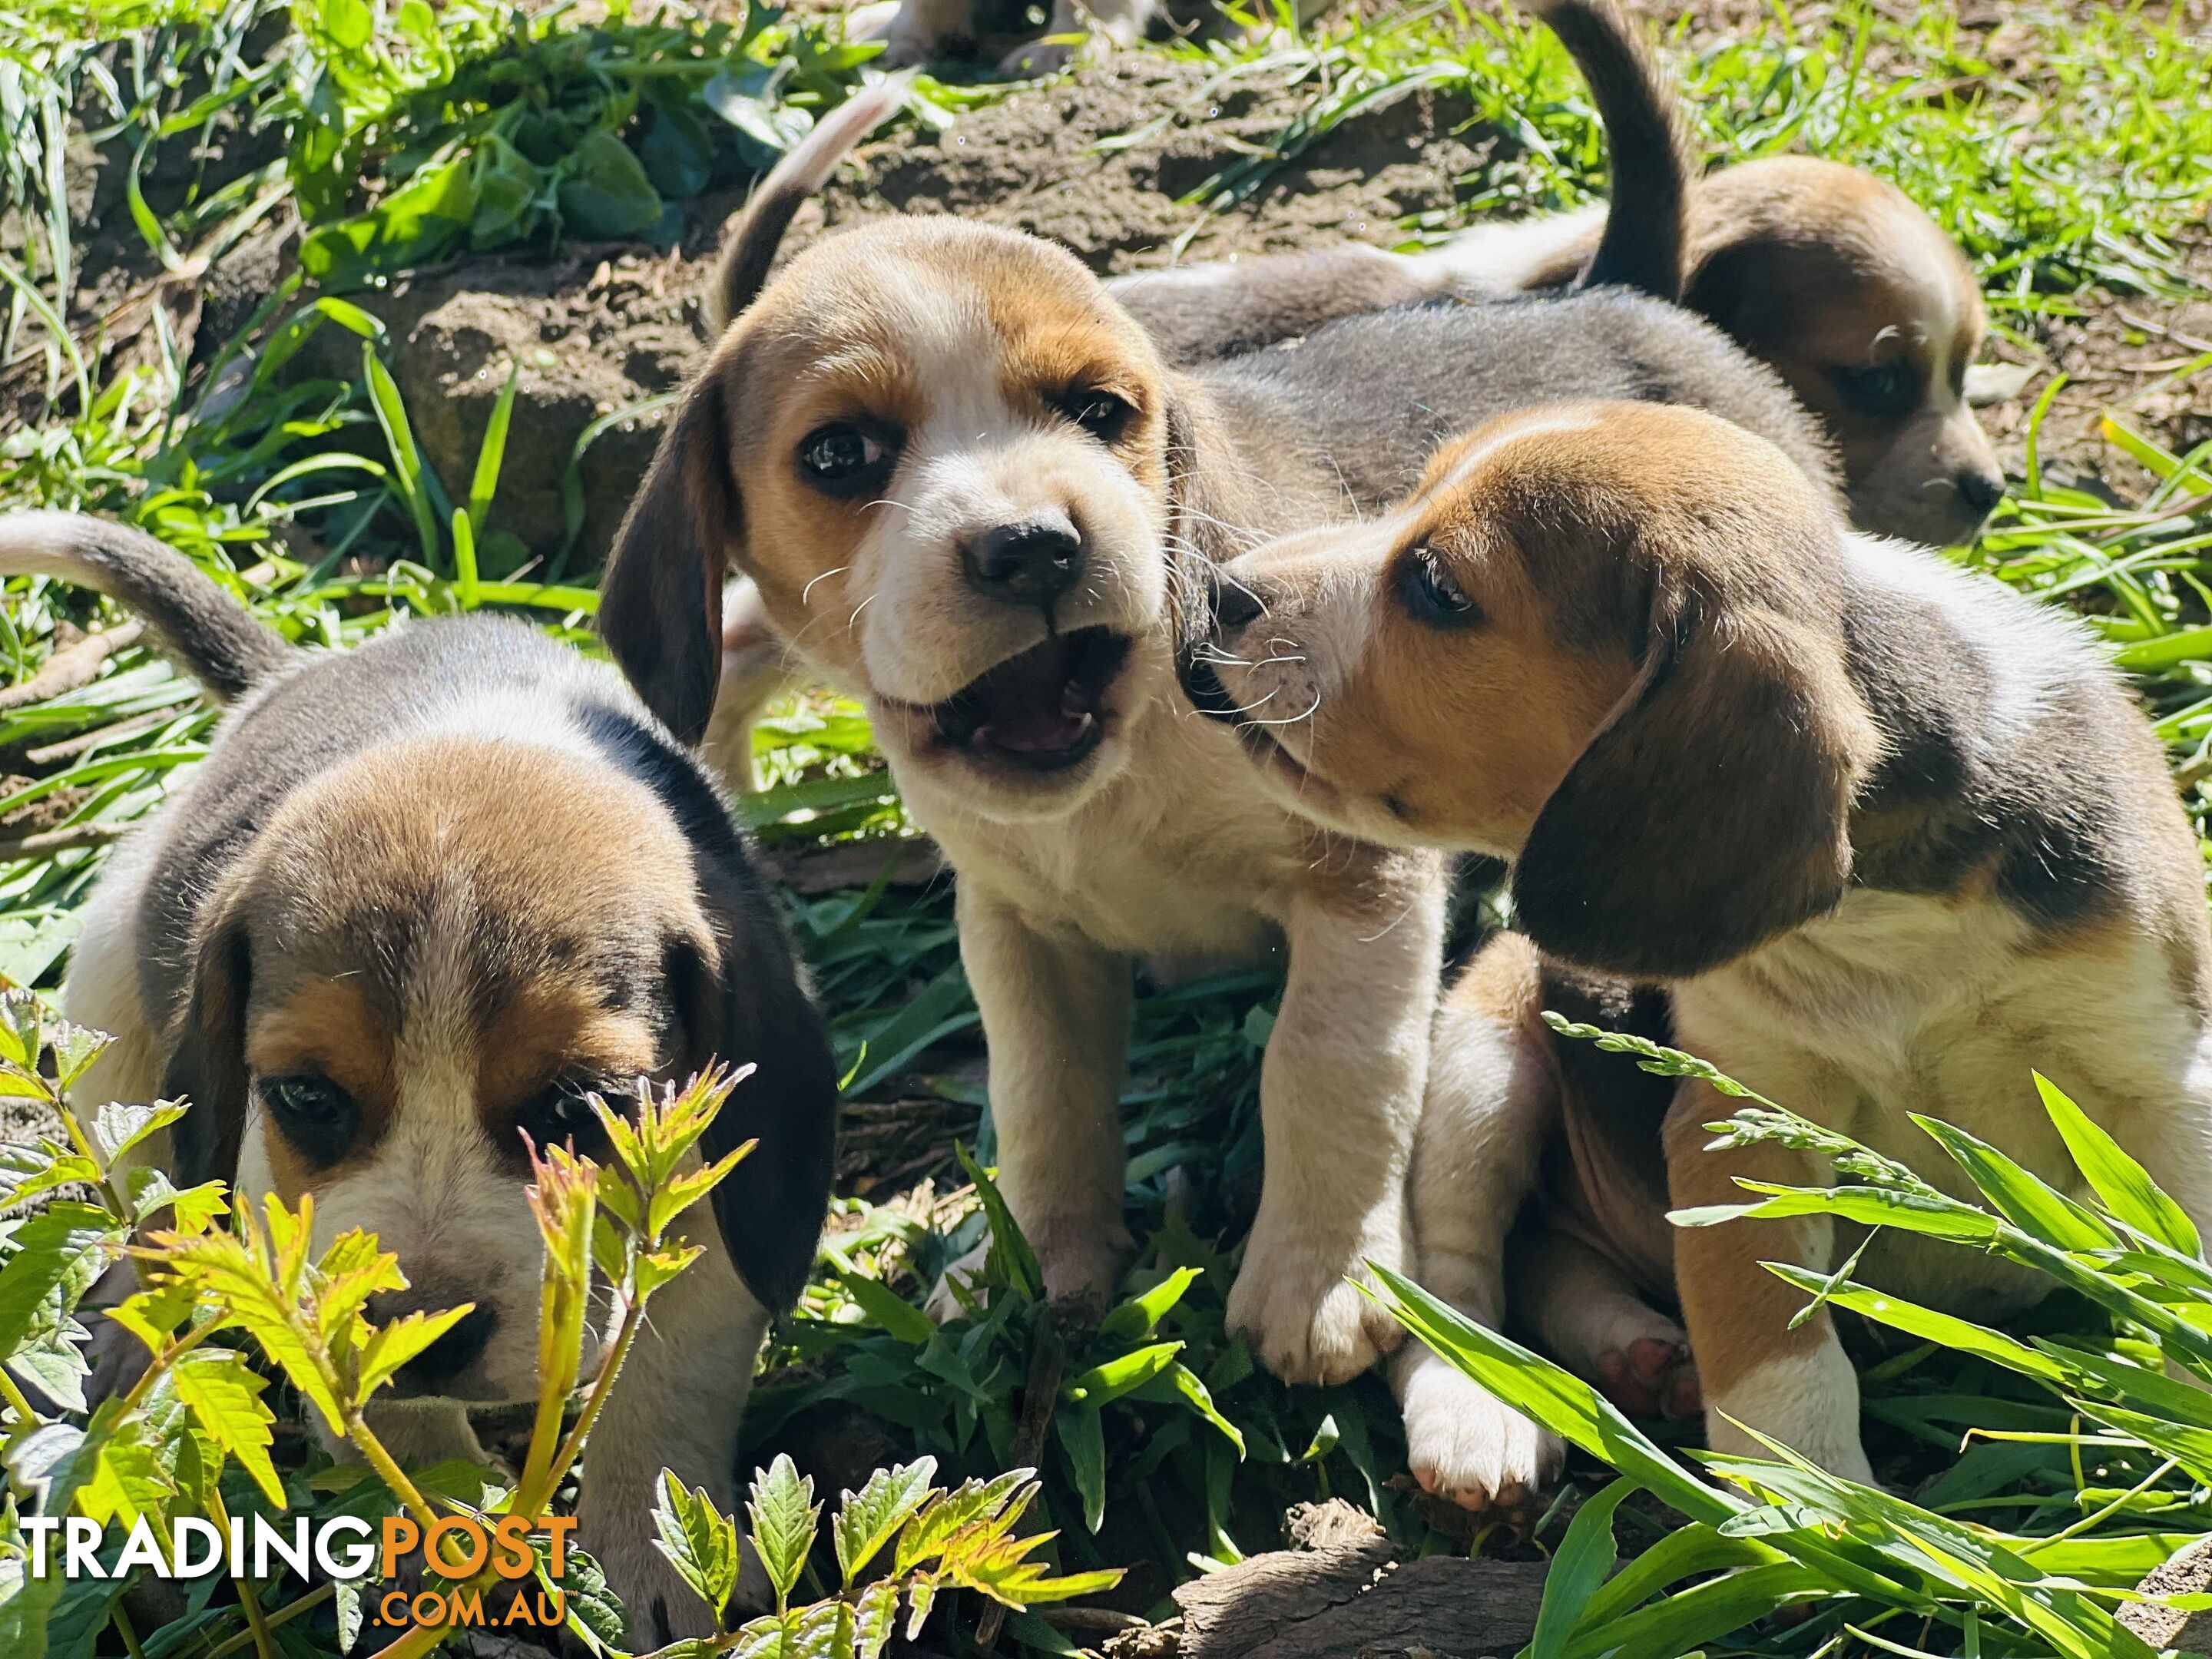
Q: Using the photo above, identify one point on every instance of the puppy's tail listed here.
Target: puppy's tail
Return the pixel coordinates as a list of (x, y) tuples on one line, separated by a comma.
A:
[(1647, 225), (749, 247), (220, 643)]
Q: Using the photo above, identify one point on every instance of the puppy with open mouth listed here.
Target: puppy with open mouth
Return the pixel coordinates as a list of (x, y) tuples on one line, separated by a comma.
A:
[(965, 488), (1888, 833), (419, 899)]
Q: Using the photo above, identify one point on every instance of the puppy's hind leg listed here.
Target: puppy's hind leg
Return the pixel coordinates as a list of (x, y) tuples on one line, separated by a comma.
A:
[(1490, 1098), (1586, 1315)]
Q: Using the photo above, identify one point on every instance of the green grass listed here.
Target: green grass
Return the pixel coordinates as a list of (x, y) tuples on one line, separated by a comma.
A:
[(2076, 161)]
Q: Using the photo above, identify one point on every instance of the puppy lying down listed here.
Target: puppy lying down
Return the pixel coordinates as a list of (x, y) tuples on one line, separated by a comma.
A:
[(969, 492), (419, 898), (1888, 833)]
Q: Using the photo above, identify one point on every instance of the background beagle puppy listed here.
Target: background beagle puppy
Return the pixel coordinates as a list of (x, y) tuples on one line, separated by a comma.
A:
[(419, 898), (1889, 834), (968, 490), (1831, 274)]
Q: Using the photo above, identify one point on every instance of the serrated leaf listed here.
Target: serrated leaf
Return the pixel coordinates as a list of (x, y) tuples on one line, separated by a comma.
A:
[(27, 1172), (153, 1314), (949, 1513), (867, 1520), (57, 1255), (124, 1479), (224, 1397), (392, 1346), (875, 1617), (920, 1596), (74, 1049), (783, 1518), (700, 1541), (118, 1127)]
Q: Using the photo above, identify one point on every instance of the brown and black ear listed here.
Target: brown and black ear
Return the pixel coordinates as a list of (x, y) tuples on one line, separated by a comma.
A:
[(660, 601), (1713, 814), (751, 1008), (207, 1058)]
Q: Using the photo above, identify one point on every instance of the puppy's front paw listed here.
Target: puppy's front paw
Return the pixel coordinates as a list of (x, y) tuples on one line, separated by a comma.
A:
[(1463, 1445), (1652, 1376), (1079, 1262), (1292, 1304)]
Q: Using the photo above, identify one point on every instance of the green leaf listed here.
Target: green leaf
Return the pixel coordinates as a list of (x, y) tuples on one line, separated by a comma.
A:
[(784, 1517), (406, 460), (75, 1047), (1016, 1264), (875, 1617), (1585, 1557), (1105, 1383), (1191, 1388), (1082, 1438), (2125, 1186), (224, 1397), (117, 1128), (603, 190), (700, 1541), (868, 1520), (2026, 1201), (493, 451), (1137, 1318), (887, 1310), (57, 1255)]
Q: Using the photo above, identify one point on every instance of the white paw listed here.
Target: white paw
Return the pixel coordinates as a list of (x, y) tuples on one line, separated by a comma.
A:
[(1809, 1401), (1292, 1302), (1464, 1444)]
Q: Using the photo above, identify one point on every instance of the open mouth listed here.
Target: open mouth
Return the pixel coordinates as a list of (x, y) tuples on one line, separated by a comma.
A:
[(1042, 710)]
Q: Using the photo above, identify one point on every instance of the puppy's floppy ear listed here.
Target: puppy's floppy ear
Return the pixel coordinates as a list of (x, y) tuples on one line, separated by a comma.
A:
[(207, 1057), (1712, 814), (661, 602), (750, 1007)]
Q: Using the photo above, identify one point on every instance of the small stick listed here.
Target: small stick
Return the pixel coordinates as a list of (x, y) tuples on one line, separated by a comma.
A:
[(1038, 1395), (61, 841), (73, 666)]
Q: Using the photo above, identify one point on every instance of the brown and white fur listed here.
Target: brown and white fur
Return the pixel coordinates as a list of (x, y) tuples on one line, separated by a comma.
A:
[(1833, 276), (420, 896), (966, 489), (1888, 833)]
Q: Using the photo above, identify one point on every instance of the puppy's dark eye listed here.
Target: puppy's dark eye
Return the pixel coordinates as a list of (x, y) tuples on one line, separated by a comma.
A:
[(845, 459), (1890, 388), (1432, 596), (320, 1120), (560, 1115), (1104, 415)]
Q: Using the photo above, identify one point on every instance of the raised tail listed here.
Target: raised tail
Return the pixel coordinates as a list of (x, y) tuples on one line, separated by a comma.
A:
[(749, 248), (1643, 245), (220, 643)]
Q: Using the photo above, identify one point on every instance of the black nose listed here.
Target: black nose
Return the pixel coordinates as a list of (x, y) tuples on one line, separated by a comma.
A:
[(1235, 603), (1032, 560), (437, 1365), (1982, 490)]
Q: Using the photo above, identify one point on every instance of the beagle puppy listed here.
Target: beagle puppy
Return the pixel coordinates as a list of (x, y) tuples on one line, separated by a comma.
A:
[(1831, 274), (969, 492), (1887, 833), (418, 900)]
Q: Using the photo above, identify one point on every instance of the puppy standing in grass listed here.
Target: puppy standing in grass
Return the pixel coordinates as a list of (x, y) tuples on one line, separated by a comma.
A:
[(967, 490), (1832, 276), (1889, 834), (420, 898)]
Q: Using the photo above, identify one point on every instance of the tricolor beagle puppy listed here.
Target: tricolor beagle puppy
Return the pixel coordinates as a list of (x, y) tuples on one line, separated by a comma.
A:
[(1832, 276), (418, 899), (967, 490), (1887, 833)]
